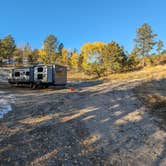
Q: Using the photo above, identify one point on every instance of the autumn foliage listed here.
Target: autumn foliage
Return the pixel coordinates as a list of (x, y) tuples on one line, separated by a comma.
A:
[(96, 58)]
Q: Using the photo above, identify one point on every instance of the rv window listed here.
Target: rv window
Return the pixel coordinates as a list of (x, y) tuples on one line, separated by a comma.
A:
[(59, 73), (17, 74), (40, 69), (27, 73), (40, 76)]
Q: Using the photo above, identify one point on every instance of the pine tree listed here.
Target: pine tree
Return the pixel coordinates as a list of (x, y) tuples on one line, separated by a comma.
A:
[(144, 40), (33, 57), (49, 47), (114, 57), (160, 45), (7, 47)]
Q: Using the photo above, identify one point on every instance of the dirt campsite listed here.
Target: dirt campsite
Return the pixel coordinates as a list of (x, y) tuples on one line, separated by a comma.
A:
[(101, 122)]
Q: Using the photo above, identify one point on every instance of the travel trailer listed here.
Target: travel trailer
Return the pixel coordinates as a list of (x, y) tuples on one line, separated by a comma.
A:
[(39, 76)]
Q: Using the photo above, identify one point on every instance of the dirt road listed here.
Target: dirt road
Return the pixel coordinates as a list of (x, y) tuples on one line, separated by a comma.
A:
[(98, 124)]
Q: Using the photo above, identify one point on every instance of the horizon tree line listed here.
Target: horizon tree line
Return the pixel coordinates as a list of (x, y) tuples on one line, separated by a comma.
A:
[(96, 58)]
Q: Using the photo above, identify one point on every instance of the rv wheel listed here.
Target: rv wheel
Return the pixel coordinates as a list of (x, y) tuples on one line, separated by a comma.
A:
[(34, 86), (31, 85), (45, 86)]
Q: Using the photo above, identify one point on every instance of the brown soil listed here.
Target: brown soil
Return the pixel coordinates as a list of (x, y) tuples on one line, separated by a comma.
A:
[(97, 124)]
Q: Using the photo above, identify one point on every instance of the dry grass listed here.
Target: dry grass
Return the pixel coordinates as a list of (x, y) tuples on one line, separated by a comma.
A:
[(148, 73), (153, 94), (77, 76), (156, 101), (152, 91)]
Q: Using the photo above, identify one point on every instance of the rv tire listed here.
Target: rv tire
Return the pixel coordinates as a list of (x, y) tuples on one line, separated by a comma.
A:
[(34, 86)]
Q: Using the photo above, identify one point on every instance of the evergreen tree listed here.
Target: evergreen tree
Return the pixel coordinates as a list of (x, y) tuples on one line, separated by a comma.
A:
[(132, 62), (1, 52), (144, 40), (33, 57), (7, 47), (50, 46), (27, 53), (114, 57), (160, 46), (18, 57)]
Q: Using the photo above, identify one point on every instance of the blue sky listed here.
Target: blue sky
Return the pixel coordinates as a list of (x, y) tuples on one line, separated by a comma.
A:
[(75, 22)]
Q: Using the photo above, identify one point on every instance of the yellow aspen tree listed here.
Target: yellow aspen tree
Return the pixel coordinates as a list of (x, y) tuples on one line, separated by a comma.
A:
[(43, 56), (64, 60), (91, 52), (74, 60)]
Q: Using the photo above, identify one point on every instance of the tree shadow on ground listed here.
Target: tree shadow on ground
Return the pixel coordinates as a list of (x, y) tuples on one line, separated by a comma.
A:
[(153, 95), (99, 126), (84, 84)]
